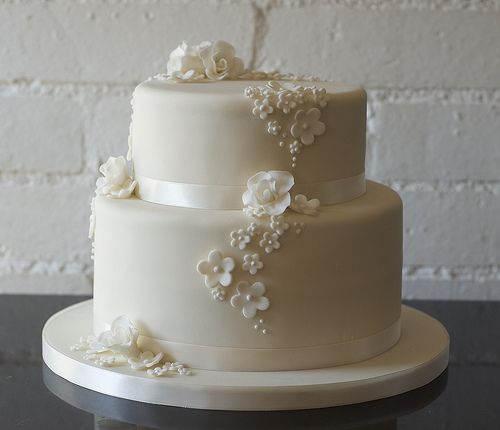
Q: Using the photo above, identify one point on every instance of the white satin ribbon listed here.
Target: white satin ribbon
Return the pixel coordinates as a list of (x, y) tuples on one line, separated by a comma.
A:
[(229, 196), (277, 359)]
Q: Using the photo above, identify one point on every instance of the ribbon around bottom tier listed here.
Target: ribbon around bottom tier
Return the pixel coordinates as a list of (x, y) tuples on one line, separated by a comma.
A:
[(277, 359), (228, 197)]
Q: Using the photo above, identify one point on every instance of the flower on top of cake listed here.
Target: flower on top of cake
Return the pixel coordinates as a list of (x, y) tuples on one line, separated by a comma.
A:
[(213, 61), (116, 182)]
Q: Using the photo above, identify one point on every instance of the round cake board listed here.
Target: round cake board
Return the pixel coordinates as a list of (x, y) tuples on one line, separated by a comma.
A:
[(420, 356)]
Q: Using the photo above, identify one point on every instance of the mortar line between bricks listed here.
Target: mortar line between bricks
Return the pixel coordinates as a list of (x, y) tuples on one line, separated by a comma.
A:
[(379, 94), (390, 5), (12, 266), (361, 5)]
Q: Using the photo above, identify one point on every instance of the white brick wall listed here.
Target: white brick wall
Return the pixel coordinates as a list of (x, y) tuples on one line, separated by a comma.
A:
[(431, 67)]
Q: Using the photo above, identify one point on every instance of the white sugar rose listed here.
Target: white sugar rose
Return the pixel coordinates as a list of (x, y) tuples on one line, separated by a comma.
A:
[(185, 62), (116, 182), (121, 338), (268, 193), (220, 61)]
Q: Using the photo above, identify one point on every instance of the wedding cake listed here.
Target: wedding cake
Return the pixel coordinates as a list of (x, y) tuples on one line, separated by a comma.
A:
[(239, 233)]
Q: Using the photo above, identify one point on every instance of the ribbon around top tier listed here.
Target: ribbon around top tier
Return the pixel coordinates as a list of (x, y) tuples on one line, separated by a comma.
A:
[(228, 197)]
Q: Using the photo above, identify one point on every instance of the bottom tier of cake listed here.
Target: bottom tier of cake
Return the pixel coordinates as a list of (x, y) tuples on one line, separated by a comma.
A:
[(329, 294)]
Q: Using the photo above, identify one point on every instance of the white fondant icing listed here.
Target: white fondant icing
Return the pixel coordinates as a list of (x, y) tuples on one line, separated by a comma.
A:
[(217, 141), (350, 276)]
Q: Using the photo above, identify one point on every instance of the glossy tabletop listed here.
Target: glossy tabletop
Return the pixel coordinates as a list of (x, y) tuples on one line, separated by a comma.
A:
[(466, 396)]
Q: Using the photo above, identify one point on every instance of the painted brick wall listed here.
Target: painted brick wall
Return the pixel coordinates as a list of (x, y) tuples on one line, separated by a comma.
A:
[(431, 67)]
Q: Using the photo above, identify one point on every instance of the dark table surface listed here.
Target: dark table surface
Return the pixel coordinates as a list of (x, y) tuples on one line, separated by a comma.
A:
[(466, 396)]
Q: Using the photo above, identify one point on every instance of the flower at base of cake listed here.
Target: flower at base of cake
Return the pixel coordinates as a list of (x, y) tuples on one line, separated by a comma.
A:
[(169, 368), (252, 263), (307, 125), (217, 269), (270, 242), (121, 338), (185, 63), (301, 205), (268, 193), (118, 346), (145, 360), (278, 224), (116, 182), (250, 298), (220, 61), (240, 238)]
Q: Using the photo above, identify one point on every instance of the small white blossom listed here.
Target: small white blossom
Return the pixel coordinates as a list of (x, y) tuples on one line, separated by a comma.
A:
[(307, 125), (252, 263), (240, 239), (286, 101), (250, 298), (253, 229), (104, 361), (262, 108), (169, 368), (273, 127), (83, 344), (218, 293), (145, 360), (295, 147), (299, 227), (217, 269), (300, 204), (278, 224), (320, 96), (270, 242)]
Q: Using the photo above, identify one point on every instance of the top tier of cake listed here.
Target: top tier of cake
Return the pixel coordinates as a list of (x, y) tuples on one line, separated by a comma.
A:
[(219, 133)]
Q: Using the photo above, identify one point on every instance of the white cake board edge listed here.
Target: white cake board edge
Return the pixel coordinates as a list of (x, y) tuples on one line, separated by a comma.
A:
[(420, 356)]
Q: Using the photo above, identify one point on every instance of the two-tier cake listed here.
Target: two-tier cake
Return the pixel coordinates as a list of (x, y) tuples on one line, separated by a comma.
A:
[(239, 234)]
